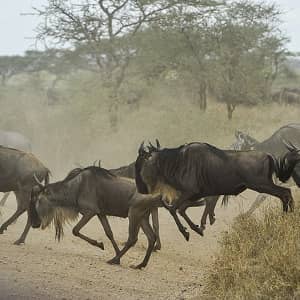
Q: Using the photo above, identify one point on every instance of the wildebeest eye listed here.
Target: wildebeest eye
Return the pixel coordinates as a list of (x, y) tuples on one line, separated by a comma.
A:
[(46, 192)]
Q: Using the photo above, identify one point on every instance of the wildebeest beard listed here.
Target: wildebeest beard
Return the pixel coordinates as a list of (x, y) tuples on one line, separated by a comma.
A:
[(156, 183), (63, 212)]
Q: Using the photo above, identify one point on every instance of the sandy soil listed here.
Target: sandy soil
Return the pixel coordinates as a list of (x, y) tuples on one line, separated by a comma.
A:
[(72, 269)]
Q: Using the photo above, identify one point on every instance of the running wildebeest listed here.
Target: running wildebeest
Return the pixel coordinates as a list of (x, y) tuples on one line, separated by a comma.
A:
[(17, 169), (95, 191), (16, 140), (198, 170), (276, 145), (210, 202)]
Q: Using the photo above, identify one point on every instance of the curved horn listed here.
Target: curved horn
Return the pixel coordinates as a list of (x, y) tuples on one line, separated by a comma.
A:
[(99, 163), (151, 147), (157, 144), (94, 164), (38, 181), (142, 147)]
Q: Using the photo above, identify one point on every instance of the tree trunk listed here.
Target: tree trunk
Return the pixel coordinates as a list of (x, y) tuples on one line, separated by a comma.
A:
[(202, 96), (230, 110), (113, 110)]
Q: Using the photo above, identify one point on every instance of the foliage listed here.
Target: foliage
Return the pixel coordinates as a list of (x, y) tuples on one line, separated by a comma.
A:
[(259, 258)]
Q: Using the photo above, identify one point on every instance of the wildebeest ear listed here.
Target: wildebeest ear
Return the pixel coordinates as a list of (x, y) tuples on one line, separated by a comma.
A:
[(39, 183)]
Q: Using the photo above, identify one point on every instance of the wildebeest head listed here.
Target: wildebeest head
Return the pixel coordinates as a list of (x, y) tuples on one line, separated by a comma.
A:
[(41, 209), (145, 156), (243, 141), (44, 209)]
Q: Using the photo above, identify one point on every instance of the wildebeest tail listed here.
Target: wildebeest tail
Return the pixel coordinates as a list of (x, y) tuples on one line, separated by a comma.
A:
[(47, 177), (296, 174), (284, 166)]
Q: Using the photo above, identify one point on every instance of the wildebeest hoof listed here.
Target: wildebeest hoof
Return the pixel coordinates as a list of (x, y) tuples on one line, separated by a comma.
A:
[(114, 261), (100, 245), (157, 247), (2, 231), (186, 235), (212, 221), (291, 206), (19, 242), (138, 267), (200, 231)]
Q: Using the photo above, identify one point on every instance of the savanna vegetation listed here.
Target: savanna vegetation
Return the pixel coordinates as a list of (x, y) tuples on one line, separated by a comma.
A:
[(259, 258), (117, 72)]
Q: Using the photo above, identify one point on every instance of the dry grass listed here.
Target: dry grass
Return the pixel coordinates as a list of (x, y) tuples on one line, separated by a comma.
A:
[(259, 259)]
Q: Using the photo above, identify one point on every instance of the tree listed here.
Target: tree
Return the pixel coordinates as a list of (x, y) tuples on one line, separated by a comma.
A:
[(106, 28), (12, 65), (250, 48)]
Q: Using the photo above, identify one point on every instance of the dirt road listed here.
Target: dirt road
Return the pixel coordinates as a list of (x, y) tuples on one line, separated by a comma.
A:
[(72, 269)]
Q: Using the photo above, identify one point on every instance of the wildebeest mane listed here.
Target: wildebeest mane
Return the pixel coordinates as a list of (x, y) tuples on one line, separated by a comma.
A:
[(95, 170), (175, 162)]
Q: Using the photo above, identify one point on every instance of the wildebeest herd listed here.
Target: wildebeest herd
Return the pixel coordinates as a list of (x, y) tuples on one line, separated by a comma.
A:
[(190, 175)]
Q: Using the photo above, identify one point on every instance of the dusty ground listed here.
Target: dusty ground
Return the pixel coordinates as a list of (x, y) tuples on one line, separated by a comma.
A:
[(72, 269)]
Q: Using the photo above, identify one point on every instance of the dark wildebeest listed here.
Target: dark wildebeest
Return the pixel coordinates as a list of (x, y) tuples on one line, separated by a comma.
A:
[(198, 170), (17, 169), (95, 191), (276, 145), (210, 202), (16, 140)]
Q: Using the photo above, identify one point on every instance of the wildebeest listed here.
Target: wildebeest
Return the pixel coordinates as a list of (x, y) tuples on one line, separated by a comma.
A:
[(196, 170), (287, 96), (16, 140), (95, 191), (17, 169), (129, 172), (275, 144), (210, 202)]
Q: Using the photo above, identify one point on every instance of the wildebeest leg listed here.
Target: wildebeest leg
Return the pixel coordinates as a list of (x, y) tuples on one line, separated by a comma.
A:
[(284, 194), (83, 221), (108, 232), (181, 202), (210, 204), (13, 218), (155, 224), (182, 211), (151, 242), (258, 201), (181, 228), (4, 198), (134, 227), (21, 240)]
